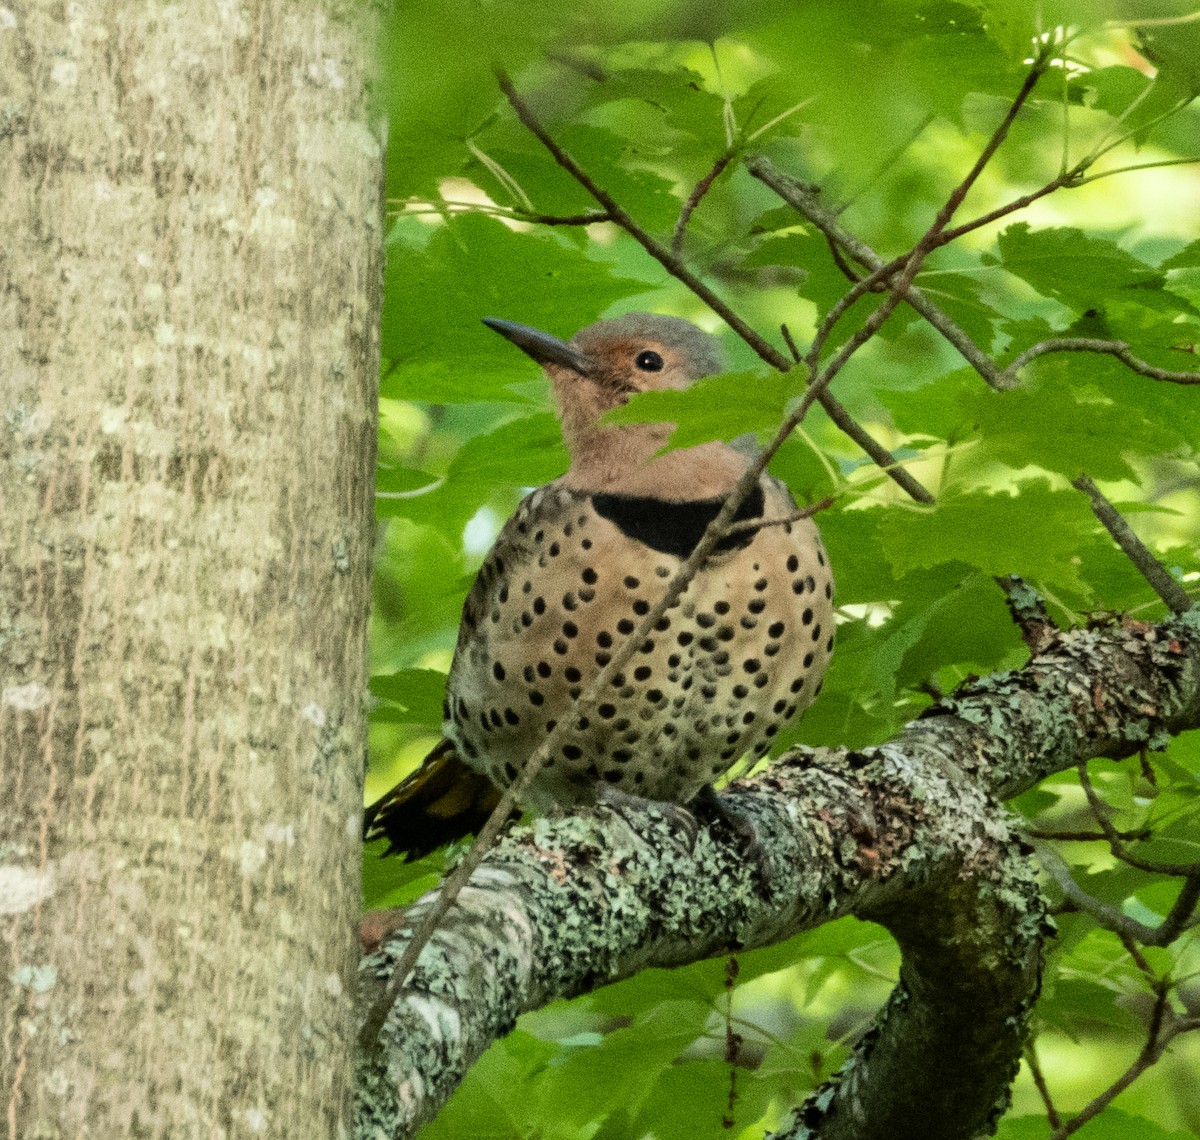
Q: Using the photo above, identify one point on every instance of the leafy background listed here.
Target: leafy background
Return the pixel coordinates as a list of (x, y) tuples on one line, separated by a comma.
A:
[(886, 114)]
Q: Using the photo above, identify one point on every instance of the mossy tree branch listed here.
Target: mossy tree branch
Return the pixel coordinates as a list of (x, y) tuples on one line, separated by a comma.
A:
[(908, 833)]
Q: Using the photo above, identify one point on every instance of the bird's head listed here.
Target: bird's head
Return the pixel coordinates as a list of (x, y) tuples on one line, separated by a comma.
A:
[(600, 367)]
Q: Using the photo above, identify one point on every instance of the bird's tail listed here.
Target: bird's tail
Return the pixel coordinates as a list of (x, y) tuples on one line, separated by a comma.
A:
[(441, 801)]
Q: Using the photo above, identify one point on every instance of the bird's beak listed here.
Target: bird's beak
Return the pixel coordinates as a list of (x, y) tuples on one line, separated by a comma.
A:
[(543, 347)]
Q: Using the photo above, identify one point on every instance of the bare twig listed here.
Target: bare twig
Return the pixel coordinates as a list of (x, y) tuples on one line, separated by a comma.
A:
[(1117, 348), (1138, 958), (701, 188), (1160, 580), (906, 265), (733, 1040), (1039, 1081), (1107, 916), (805, 201), (1070, 836), (676, 268), (749, 525), (1116, 842), (848, 271), (900, 285), (408, 206), (589, 218), (879, 454), (889, 160), (1163, 1029), (1037, 69), (786, 333), (1115, 920)]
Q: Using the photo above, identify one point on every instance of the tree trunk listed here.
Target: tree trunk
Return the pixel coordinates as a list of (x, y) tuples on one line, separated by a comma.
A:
[(189, 293)]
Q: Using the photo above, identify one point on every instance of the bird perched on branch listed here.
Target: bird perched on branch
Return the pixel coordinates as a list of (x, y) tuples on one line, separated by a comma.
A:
[(740, 653)]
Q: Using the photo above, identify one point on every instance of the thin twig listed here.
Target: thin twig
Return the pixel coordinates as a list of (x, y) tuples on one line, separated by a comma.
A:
[(888, 162), (733, 1040), (1190, 160), (900, 285), (701, 188), (588, 218), (1164, 1028), (1157, 575), (1101, 810), (881, 271), (786, 333), (748, 525), (676, 268), (878, 454), (1180, 918), (515, 213), (1071, 836), (805, 201), (847, 270), (1138, 958), (1117, 348), (906, 265), (1039, 1081), (1107, 916)]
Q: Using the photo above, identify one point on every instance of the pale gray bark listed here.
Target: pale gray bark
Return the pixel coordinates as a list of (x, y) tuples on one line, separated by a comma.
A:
[(910, 834), (189, 297)]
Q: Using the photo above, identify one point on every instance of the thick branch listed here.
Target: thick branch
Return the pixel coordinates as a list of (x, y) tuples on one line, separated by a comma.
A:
[(885, 833)]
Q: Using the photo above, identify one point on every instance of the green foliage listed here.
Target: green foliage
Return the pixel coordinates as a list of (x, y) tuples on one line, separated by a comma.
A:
[(887, 114)]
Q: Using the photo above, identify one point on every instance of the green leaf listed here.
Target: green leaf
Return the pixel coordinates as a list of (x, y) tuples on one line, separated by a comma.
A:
[(1035, 533), (1112, 90), (1078, 269), (402, 479), (1186, 258), (1055, 420), (717, 407), (1115, 1124), (1173, 46), (526, 452), (413, 696), (420, 609), (1023, 1128), (492, 468), (618, 1073), (551, 190), (484, 1106)]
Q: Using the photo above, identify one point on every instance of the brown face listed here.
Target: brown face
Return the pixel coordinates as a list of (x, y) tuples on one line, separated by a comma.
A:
[(605, 363), (619, 366)]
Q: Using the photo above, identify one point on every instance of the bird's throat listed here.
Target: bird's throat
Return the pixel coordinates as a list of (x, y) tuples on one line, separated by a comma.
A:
[(622, 461)]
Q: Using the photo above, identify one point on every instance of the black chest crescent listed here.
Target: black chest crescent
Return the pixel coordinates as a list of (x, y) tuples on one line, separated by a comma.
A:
[(675, 528)]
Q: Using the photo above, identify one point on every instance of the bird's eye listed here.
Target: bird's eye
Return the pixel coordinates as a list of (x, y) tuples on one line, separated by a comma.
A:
[(649, 361)]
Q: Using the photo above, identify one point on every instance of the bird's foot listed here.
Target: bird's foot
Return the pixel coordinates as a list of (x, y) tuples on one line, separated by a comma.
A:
[(708, 802), (626, 805)]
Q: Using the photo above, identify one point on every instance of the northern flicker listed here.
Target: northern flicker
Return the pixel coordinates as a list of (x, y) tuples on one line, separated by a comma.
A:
[(740, 654)]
